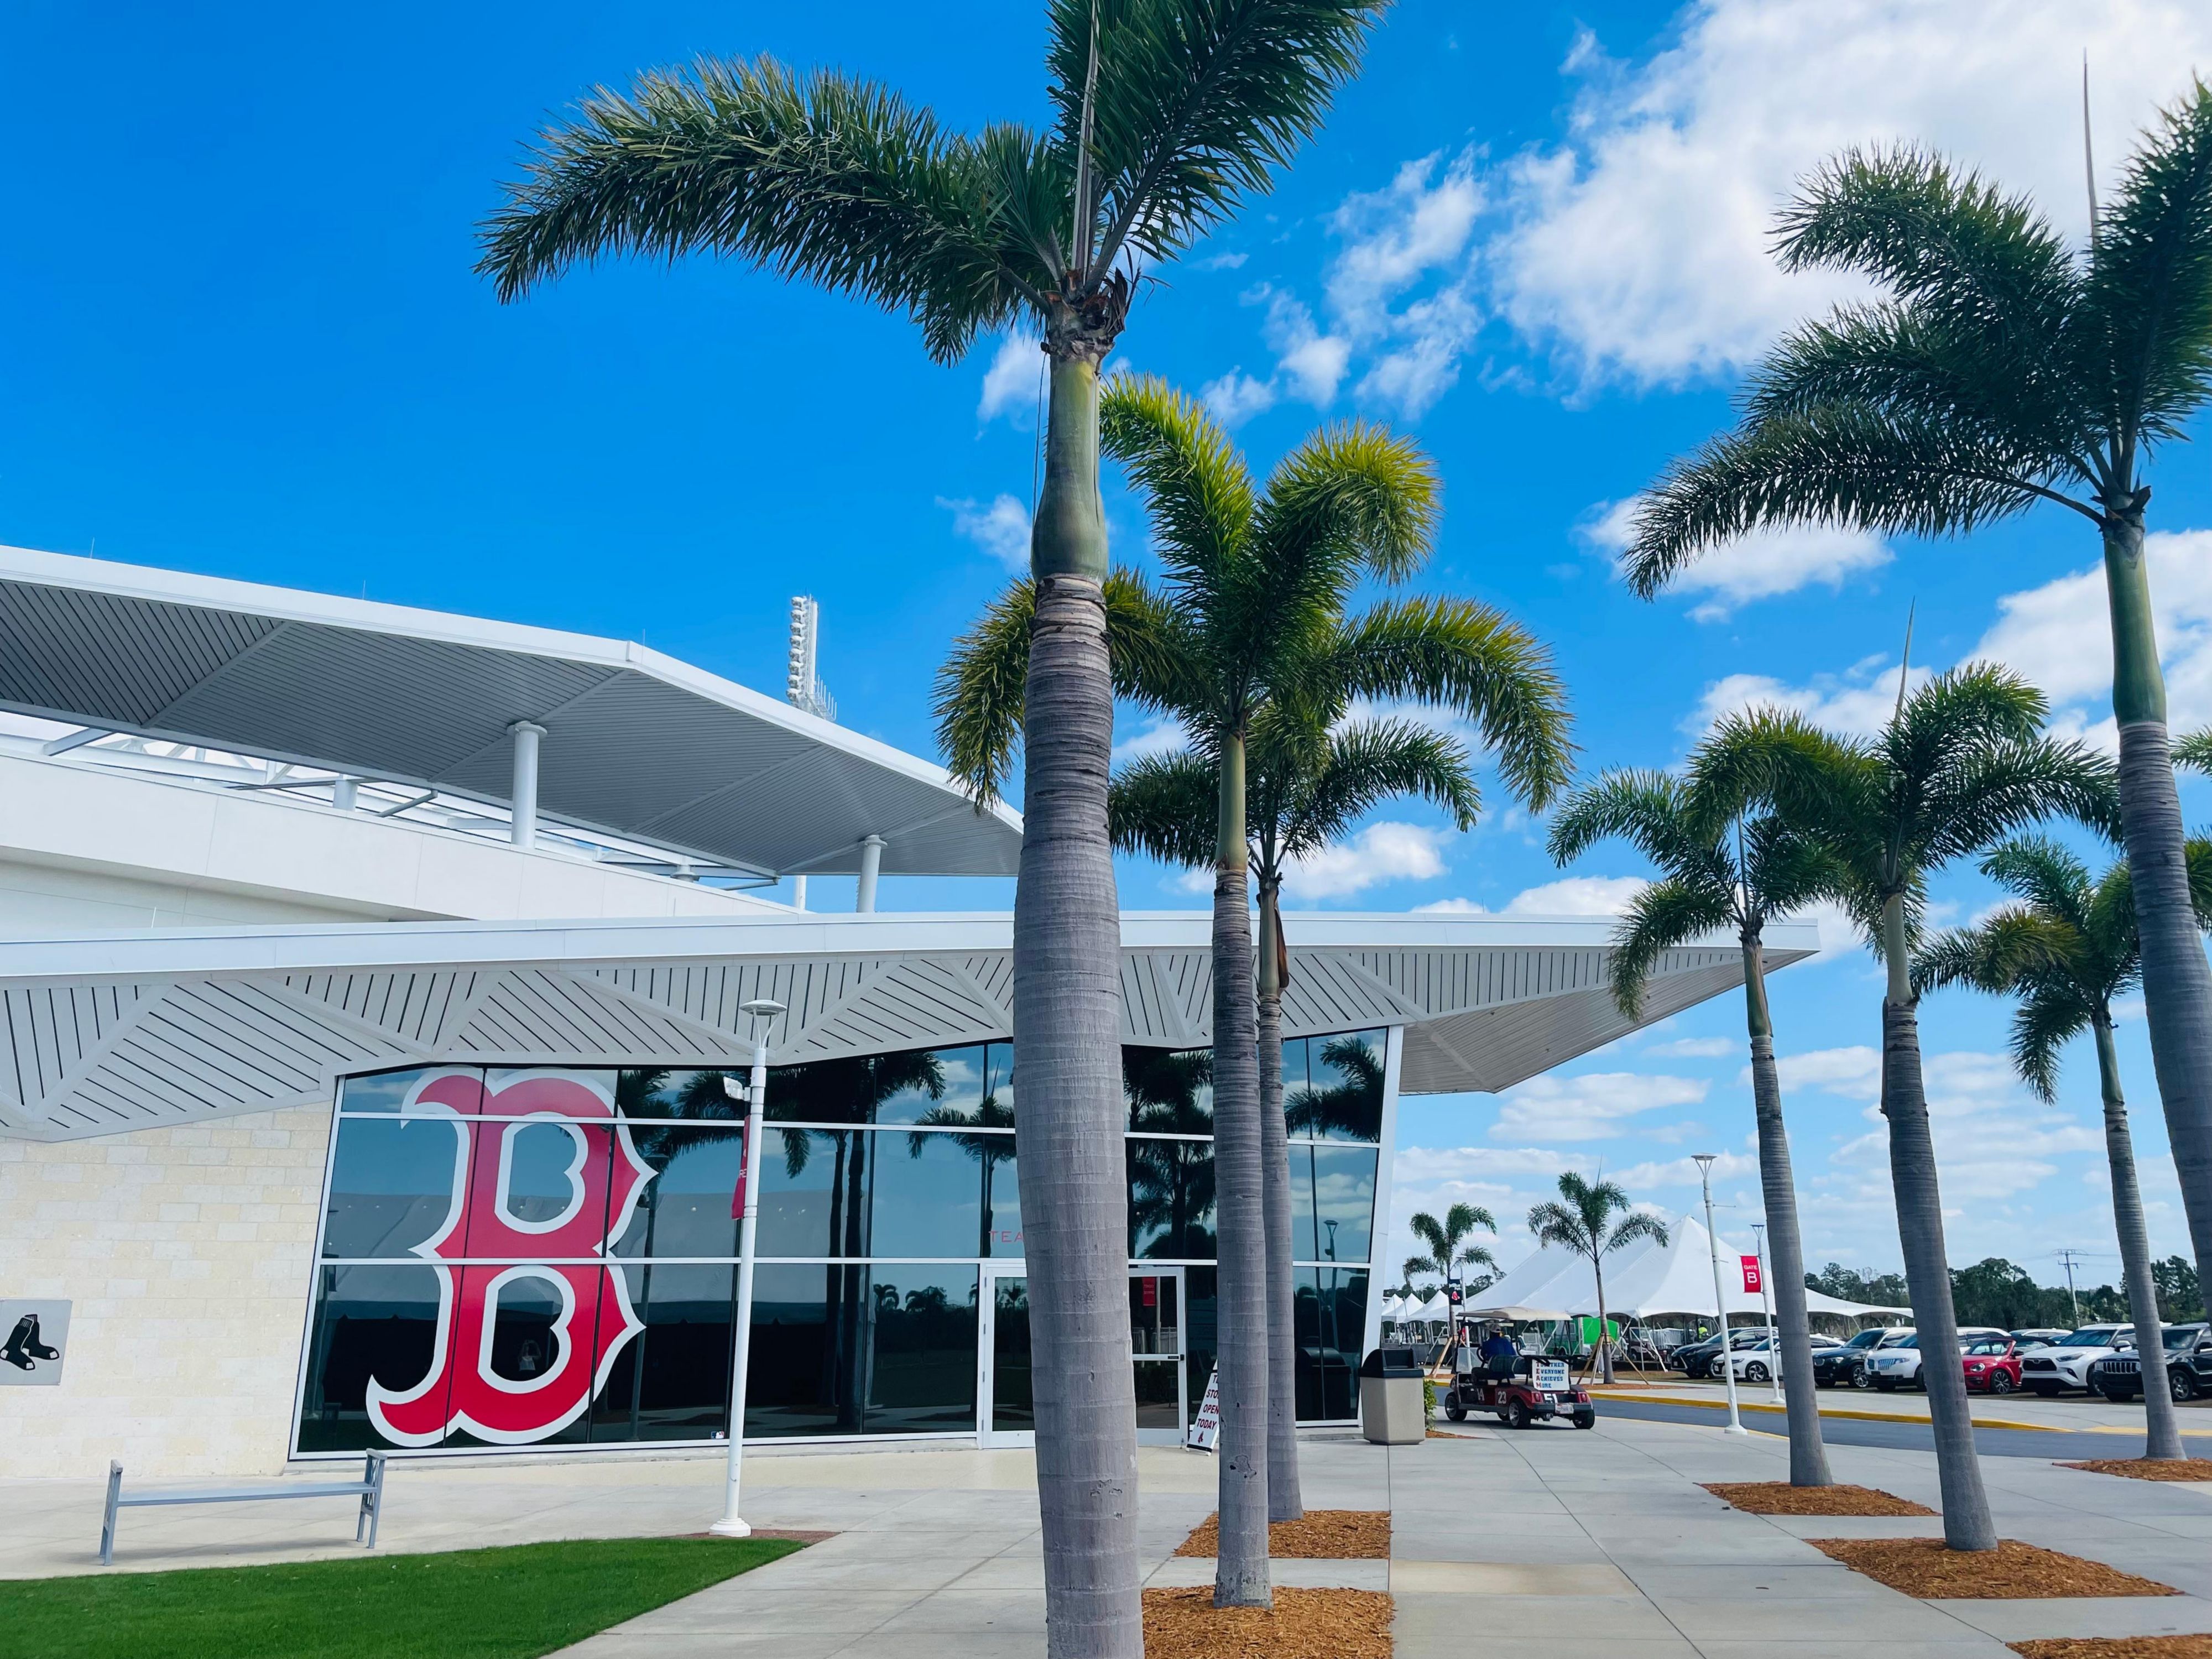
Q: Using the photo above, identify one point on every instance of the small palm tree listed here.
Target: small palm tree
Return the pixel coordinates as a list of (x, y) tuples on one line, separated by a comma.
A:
[(2064, 951), (1961, 764), (1581, 1219), (1167, 113), (1725, 863), (2003, 370), (1448, 1250)]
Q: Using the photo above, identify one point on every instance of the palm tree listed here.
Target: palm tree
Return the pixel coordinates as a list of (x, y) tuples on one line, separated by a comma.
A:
[(1249, 648), (1447, 1240), (1167, 113), (1581, 1220), (1961, 764), (1724, 863), (2065, 951), (2002, 369)]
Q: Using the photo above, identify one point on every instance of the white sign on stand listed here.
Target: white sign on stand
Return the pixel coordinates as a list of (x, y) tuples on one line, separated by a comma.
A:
[(1550, 1376), (1205, 1429)]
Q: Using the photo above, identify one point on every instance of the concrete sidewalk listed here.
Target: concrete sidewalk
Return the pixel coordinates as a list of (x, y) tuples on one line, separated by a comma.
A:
[(2069, 1413)]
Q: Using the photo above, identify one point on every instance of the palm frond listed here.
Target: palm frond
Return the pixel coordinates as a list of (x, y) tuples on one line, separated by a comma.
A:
[(1663, 916), (828, 177), (1642, 807), (1167, 807), (1197, 492), (1365, 764), (1632, 1228), (2047, 1019), (2193, 750)]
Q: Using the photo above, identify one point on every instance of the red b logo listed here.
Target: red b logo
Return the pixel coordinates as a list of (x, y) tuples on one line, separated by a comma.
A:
[(462, 1390)]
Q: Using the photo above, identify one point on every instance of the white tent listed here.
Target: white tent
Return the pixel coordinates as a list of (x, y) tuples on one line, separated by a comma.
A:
[(1437, 1307), (1394, 1306), (1643, 1279)]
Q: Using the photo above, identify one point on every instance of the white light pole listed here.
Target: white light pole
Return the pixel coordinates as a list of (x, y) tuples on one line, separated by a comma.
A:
[(732, 1525), (1704, 1163), (1766, 1307)]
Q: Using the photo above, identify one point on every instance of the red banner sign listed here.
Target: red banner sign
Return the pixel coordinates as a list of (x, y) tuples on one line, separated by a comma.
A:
[(1750, 1281)]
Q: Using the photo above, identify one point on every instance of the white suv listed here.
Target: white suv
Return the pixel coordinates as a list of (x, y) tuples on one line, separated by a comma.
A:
[(1897, 1364), (2065, 1364)]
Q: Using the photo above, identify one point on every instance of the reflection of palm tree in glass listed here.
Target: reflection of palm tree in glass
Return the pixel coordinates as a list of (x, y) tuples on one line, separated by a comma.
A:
[(1170, 1181), (988, 1150), (1351, 1107)]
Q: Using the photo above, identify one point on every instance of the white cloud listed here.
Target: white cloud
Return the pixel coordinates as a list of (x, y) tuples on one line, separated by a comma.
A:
[(1223, 262), (1754, 567), (1638, 247), (1011, 382), (1695, 1048), (1855, 702), (2056, 636), (1235, 398), (1853, 1072), (1570, 896), (1684, 1172), (1161, 735), (1380, 853), (1593, 1106), (1001, 529)]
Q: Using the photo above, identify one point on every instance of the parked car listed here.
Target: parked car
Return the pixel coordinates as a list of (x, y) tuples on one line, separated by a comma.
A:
[(1845, 1366), (1897, 1364), (1695, 1359), (1755, 1362), (2065, 1364), (1992, 1365), (2025, 1341), (2119, 1376)]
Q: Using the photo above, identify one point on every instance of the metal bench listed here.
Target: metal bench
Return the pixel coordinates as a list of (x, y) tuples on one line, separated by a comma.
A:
[(369, 1489)]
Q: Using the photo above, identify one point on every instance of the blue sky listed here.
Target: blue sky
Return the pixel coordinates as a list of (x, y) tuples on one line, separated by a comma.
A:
[(243, 338)]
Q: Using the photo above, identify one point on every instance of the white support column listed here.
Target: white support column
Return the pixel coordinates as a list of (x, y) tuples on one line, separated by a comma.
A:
[(799, 892), (871, 859), (523, 827), (345, 793)]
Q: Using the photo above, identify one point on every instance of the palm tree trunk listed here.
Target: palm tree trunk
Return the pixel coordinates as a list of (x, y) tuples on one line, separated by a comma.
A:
[(2177, 981), (1241, 1562), (1966, 1522), (1809, 1457), (1068, 1025), (2164, 1435), (1597, 1271), (1285, 1501)]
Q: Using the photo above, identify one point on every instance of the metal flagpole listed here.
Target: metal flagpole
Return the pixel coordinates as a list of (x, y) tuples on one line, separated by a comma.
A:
[(1766, 1307), (732, 1525), (1704, 1163)]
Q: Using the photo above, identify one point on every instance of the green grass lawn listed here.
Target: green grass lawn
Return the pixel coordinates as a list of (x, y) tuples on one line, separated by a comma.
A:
[(511, 1603)]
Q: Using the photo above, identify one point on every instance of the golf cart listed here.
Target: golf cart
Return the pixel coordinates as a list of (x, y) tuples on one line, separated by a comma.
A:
[(1525, 1389)]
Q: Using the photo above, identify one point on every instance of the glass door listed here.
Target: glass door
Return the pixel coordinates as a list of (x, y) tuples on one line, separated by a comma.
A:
[(1006, 1411), (1156, 1349)]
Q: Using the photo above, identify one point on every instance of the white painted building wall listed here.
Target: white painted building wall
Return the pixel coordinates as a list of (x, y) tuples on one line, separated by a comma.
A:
[(186, 1252)]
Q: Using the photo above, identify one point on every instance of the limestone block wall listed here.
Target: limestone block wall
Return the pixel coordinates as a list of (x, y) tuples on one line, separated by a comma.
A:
[(186, 1252)]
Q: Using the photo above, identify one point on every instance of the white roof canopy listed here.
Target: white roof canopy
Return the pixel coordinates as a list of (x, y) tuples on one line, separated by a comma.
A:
[(1641, 1280), (637, 743)]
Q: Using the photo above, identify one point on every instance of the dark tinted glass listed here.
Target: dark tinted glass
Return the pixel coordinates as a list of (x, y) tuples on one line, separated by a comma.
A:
[(928, 1192), (1201, 1340), (668, 1093), (1295, 1078), (392, 1184), (851, 1350), (1330, 1319), (379, 1323), (1332, 1202), (1013, 1396), (543, 1176), (691, 1206), (1343, 1099), (1002, 1205), (924, 1376), (1169, 1091), (524, 1311), (383, 1091), (1170, 1200), (672, 1380), (812, 1193), (874, 1088)]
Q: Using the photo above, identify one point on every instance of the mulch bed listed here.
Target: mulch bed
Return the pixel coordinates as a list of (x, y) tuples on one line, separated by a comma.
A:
[(1925, 1568), (1320, 1536), (1780, 1497), (2117, 1647), (2149, 1468), (1303, 1624)]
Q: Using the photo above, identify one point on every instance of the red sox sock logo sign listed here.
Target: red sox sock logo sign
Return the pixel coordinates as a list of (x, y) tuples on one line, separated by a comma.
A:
[(463, 1391)]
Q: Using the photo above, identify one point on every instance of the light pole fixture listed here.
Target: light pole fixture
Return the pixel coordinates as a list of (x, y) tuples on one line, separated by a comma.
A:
[(1704, 1163), (755, 1095), (1766, 1310)]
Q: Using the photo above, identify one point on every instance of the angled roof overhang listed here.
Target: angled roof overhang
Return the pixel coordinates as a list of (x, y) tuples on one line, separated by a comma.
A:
[(637, 743), (113, 1032)]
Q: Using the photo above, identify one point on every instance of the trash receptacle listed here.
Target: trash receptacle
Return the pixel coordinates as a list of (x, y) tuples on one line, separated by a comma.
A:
[(1392, 1408)]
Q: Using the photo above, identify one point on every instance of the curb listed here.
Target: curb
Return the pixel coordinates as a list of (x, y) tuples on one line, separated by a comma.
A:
[(1858, 1417)]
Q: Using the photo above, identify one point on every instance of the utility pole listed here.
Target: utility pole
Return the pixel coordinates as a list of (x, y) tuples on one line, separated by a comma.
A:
[(1704, 1163), (1767, 1309), (2068, 1257)]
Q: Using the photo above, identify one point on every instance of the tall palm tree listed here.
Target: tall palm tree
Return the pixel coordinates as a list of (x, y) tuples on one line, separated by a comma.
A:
[(1725, 863), (1255, 581), (1581, 1219), (1167, 114), (1448, 1250), (2064, 951), (1961, 764), (2002, 369)]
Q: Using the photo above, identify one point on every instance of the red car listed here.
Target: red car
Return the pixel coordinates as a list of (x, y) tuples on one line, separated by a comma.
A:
[(1993, 1365)]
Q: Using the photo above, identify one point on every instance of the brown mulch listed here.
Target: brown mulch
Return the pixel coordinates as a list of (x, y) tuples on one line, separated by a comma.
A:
[(2117, 1647), (1780, 1497), (1320, 1536), (1924, 1567), (2149, 1468), (1303, 1624)]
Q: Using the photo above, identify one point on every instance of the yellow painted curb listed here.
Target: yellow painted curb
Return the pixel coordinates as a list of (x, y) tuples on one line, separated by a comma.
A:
[(1858, 1417)]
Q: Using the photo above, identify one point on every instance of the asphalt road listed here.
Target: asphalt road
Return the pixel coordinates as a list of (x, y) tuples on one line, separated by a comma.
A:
[(1902, 1434)]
